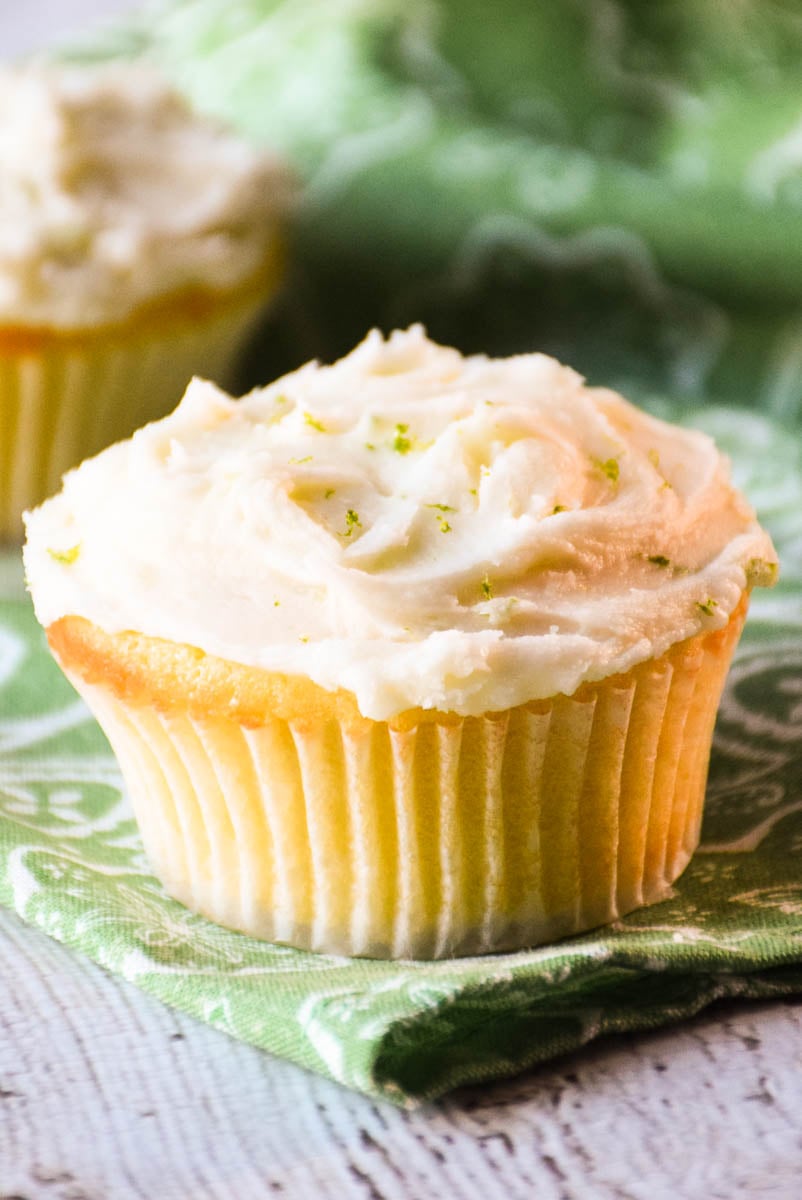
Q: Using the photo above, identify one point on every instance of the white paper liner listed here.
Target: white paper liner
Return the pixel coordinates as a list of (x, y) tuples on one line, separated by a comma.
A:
[(476, 835), (70, 398)]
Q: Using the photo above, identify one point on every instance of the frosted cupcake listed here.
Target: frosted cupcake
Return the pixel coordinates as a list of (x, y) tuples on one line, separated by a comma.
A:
[(413, 655), (138, 245)]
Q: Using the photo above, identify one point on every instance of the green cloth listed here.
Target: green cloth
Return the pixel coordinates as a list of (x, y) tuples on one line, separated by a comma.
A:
[(71, 863), (618, 184)]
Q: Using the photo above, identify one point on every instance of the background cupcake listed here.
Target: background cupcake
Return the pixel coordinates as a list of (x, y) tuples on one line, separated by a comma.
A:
[(139, 243), (426, 650)]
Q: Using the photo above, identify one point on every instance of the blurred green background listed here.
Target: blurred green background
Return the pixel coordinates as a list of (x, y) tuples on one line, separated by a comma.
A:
[(617, 183)]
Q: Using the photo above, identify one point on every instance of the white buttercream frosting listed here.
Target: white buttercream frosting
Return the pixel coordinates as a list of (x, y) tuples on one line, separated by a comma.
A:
[(114, 192), (418, 528)]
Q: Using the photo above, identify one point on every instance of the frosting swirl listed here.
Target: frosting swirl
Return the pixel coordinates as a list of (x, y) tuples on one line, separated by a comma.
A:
[(419, 528), (114, 192)]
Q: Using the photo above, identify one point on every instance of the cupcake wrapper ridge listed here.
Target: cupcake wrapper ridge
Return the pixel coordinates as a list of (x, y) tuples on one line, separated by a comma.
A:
[(449, 838), (67, 399)]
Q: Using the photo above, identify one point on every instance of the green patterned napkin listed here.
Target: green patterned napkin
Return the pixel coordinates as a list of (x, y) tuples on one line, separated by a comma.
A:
[(71, 863)]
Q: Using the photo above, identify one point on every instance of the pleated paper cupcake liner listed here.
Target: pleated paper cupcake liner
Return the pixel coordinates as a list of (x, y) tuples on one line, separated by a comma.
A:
[(453, 837), (69, 397)]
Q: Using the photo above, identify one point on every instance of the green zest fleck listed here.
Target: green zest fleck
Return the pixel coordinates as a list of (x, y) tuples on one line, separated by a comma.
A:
[(282, 399), (369, 446), (558, 508), (401, 443), (351, 522), (708, 607), (314, 423), (472, 491), (609, 468), (487, 588), (65, 556), (660, 560), (329, 492), (443, 508), (444, 525), (296, 462), (761, 573), (276, 604), (654, 458), (303, 639)]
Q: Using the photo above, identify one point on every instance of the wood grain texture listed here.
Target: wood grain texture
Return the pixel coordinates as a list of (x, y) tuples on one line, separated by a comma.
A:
[(107, 1095)]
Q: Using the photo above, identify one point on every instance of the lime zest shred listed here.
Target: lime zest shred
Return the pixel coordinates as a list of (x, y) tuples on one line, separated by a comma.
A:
[(297, 462), (329, 492), (609, 467), (487, 588), (314, 423), (558, 508), (352, 522), (762, 572), (401, 443), (654, 458), (442, 508), (660, 560), (708, 607), (67, 557), (444, 525)]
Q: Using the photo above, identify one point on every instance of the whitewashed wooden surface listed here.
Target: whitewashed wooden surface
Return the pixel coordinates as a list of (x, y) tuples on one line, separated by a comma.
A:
[(107, 1095)]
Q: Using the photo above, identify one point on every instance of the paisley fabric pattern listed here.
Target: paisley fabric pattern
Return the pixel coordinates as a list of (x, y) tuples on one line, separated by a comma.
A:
[(614, 183)]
